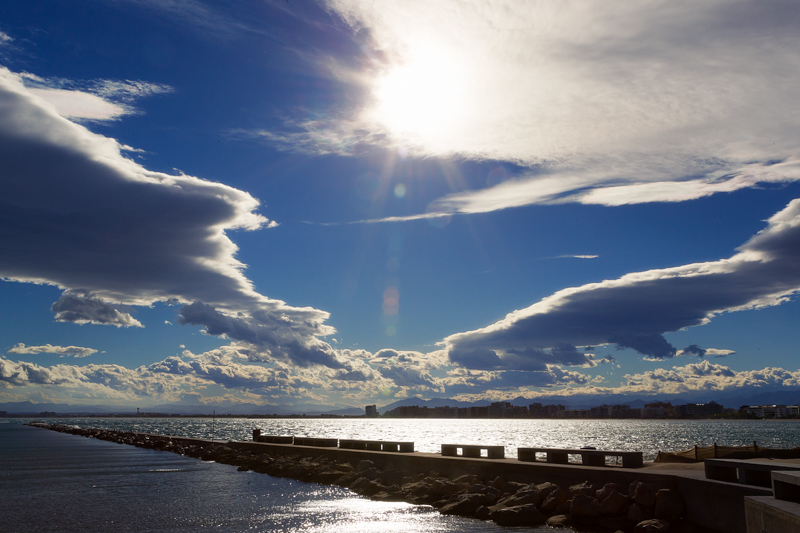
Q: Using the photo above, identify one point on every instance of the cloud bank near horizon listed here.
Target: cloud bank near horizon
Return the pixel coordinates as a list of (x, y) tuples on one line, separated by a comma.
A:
[(187, 378)]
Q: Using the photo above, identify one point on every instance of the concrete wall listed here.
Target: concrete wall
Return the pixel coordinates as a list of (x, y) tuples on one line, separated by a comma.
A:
[(765, 514)]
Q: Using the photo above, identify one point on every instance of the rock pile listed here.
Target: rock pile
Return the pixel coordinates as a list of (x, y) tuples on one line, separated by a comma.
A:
[(637, 507)]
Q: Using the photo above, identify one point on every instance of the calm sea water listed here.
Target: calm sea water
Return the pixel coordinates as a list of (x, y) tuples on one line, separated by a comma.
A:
[(53, 481), (648, 436), (57, 482)]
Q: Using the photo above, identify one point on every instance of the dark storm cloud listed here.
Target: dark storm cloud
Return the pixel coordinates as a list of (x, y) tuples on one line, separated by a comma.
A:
[(636, 310), (77, 214)]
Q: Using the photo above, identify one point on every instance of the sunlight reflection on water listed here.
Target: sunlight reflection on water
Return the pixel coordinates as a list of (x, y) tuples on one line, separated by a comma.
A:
[(648, 436)]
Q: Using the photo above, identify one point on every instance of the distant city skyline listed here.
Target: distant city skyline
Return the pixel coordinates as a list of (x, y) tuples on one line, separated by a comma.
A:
[(344, 203)]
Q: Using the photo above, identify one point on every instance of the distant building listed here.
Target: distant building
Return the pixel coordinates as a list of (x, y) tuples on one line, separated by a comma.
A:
[(498, 409), (774, 411), (479, 412), (700, 409), (371, 410), (653, 411)]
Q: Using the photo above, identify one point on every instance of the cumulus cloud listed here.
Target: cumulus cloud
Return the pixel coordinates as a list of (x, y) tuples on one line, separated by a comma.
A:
[(106, 382), (74, 351), (82, 308), (706, 376), (635, 310), (474, 384), (610, 103), (79, 215)]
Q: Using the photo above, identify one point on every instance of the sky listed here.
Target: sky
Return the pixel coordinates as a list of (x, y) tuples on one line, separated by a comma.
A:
[(347, 202)]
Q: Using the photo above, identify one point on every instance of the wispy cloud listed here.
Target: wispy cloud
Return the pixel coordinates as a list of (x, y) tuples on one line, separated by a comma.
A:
[(607, 104), (96, 100), (74, 351), (575, 257)]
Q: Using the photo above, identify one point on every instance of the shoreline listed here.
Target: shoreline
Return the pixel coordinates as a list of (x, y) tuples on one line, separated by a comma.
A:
[(506, 491)]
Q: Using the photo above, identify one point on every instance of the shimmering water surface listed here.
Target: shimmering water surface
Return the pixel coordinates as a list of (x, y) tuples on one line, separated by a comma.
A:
[(53, 481), (648, 436)]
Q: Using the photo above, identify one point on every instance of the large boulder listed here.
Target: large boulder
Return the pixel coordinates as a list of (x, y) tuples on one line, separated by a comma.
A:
[(584, 507), (535, 494), (519, 515), (499, 483), (669, 505), (553, 500), (521, 498), (607, 489), (364, 465), (366, 487), (638, 513), (586, 488), (615, 504), (464, 505), (392, 477), (642, 494)]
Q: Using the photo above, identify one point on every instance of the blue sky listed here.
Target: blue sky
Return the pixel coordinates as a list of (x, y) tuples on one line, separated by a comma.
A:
[(346, 202)]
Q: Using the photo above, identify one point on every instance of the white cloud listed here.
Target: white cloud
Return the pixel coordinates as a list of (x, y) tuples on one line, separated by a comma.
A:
[(95, 100), (75, 351), (635, 310), (5, 38), (79, 104), (610, 103), (81, 216), (716, 352), (706, 376)]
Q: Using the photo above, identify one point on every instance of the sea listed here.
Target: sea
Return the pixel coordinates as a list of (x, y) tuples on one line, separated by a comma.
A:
[(53, 481)]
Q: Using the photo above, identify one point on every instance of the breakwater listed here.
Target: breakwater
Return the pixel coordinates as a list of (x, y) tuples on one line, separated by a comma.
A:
[(506, 491)]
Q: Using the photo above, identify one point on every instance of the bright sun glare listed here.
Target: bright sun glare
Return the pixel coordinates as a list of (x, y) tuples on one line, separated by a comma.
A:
[(422, 98)]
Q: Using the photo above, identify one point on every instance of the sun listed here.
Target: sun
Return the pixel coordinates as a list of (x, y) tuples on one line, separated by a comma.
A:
[(421, 99)]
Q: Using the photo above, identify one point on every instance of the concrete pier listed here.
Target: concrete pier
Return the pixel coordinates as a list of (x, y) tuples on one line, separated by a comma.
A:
[(716, 505)]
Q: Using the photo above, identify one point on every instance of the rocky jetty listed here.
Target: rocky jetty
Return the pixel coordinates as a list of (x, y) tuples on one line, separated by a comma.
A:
[(589, 506)]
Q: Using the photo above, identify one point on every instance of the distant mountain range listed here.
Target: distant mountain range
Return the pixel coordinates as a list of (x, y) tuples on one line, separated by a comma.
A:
[(790, 397), (179, 409)]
